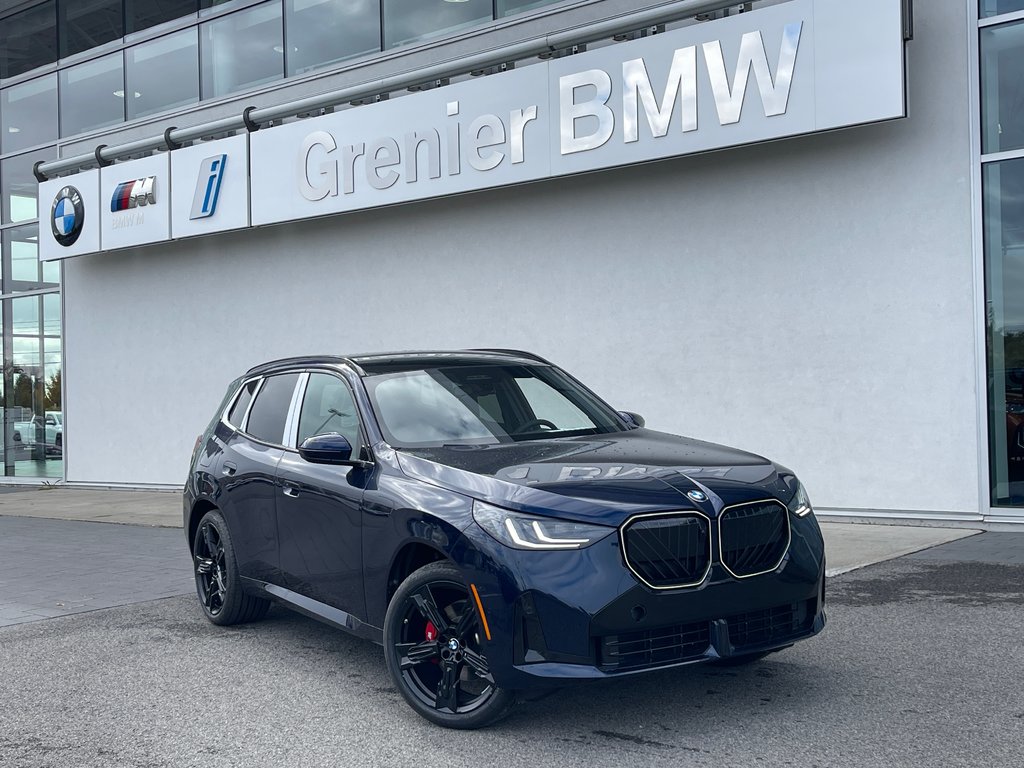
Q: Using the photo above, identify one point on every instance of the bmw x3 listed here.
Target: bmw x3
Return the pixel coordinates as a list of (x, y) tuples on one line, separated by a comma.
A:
[(495, 525)]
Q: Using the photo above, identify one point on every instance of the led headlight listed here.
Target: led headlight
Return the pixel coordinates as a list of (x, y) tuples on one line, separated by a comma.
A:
[(800, 504), (519, 531)]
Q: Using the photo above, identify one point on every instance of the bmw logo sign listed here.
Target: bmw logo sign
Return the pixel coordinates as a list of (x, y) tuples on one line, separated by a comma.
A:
[(67, 215), (697, 495)]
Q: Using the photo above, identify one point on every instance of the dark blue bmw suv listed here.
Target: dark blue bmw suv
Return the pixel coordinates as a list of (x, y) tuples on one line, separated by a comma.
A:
[(495, 525)]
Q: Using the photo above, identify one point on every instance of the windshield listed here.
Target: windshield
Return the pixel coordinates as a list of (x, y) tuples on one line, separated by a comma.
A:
[(484, 404)]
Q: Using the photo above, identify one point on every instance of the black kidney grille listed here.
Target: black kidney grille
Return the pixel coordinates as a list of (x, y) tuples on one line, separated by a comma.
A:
[(668, 551), (654, 647), (754, 537)]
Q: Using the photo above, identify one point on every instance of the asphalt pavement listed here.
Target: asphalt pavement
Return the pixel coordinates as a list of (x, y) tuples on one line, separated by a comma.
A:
[(921, 664)]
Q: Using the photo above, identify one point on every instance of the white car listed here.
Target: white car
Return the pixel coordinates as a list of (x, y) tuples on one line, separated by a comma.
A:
[(26, 432)]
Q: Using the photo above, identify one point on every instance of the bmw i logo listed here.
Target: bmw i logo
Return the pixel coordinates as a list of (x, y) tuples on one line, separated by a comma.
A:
[(697, 495), (67, 215)]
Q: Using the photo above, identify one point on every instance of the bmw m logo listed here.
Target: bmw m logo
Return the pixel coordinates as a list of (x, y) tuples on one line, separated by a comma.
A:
[(697, 495), (67, 215), (131, 194)]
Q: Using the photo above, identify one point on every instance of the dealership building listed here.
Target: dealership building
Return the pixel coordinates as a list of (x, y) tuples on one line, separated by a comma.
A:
[(790, 226)]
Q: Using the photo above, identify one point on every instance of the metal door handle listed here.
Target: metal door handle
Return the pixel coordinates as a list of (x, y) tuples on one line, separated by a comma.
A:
[(291, 490), (228, 468)]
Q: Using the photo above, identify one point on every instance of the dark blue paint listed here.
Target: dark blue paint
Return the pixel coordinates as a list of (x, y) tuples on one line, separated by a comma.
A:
[(327, 547)]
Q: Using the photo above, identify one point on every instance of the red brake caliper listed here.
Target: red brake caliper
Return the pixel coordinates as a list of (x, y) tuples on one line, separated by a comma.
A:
[(431, 637)]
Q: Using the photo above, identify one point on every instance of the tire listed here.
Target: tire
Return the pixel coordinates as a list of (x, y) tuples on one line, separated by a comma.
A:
[(218, 584), (740, 661), (433, 615)]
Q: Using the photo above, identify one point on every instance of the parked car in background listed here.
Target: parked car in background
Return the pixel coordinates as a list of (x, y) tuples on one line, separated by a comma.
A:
[(26, 433), (495, 525)]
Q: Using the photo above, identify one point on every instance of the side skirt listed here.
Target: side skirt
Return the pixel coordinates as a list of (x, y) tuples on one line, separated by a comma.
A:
[(319, 611)]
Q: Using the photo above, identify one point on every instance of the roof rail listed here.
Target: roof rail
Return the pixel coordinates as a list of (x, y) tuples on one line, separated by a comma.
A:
[(517, 352), (303, 359)]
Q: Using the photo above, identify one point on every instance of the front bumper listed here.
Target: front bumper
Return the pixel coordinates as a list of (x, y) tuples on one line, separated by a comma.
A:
[(582, 614)]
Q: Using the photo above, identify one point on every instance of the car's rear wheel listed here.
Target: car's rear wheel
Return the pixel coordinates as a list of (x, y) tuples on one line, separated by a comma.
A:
[(218, 583), (434, 651)]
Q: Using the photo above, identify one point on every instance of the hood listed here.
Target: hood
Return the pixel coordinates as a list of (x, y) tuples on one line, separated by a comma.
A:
[(601, 478)]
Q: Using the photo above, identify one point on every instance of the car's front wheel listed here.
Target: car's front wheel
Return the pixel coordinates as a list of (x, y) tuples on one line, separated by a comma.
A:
[(217, 581), (434, 651)]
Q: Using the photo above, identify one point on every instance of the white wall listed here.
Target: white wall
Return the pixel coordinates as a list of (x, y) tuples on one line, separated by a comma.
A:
[(809, 299)]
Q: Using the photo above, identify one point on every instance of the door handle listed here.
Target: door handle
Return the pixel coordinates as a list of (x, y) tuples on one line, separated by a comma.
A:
[(290, 491), (228, 469)]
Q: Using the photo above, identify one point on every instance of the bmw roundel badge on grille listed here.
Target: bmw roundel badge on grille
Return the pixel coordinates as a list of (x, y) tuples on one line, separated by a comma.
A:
[(67, 216)]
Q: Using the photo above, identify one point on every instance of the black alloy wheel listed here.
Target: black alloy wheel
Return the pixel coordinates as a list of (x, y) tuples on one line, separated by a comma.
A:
[(433, 645), (217, 581)]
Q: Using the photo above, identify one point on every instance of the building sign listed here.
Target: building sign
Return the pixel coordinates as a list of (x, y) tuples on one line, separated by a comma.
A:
[(794, 68), (74, 206), (211, 187), (790, 69), (137, 206)]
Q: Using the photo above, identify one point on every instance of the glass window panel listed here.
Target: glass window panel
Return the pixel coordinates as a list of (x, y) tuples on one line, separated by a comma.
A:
[(92, 95), (162, 74), (21, 251), (327, 406), (18, 186), (51, 354), (242, 50), (143, 14), (85, 24), (51, 272), (508, 7), (28, 39), (205, 5), (1002, 87), (996, 7), (241, 404), (51, 319), (270, 409), (408, 20), (25, 320), (1004, 276), (28, 114), (322, 32)]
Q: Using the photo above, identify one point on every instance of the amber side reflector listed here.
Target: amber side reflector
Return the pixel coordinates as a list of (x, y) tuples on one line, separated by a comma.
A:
[(480, 608)]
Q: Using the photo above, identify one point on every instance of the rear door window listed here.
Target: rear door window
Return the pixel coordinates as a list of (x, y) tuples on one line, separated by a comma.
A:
[(270, 410)]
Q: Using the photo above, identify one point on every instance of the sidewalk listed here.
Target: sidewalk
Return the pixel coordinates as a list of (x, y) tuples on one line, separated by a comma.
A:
[(848, 545), (154, 508)]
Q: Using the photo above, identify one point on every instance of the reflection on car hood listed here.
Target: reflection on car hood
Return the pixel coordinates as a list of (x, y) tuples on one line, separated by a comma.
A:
[(600, 478)]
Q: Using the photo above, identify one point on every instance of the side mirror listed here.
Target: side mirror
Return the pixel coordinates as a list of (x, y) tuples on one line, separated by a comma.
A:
[(331, 448), (634, 419)]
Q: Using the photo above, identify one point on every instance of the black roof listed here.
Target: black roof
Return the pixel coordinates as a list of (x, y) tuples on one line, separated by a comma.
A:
[(376, 361)]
